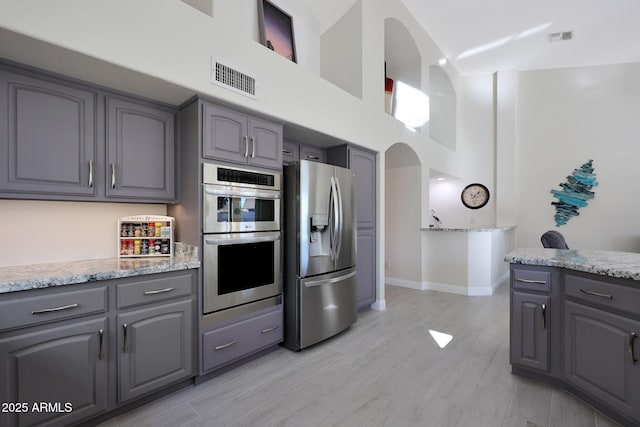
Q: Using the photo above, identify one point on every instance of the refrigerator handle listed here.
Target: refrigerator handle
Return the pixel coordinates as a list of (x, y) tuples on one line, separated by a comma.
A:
[(335, 224), (340, 219)]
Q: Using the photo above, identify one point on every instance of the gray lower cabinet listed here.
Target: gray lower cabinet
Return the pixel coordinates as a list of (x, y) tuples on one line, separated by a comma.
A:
[(601, 356), (529, 330), (140, 151), (94, 347), (235, 137), (47, 137), (239, 339), (65, 366), (363, 164), (155, 348)]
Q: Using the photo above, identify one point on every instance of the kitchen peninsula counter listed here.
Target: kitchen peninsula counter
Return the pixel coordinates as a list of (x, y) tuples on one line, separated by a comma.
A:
[(26, 277), (623, 265)]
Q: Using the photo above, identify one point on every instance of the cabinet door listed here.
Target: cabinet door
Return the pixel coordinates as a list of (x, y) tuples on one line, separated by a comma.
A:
[(599, 347), (224, 134), (47, 139), (363, 165), (64, 366), (366, 267), (314, 154), (154, 348), (265, 144), (290, 152), (530, 322), (141, 151)]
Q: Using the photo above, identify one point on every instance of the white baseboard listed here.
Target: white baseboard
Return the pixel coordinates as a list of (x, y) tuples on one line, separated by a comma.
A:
[(445, 287), (380, 305)]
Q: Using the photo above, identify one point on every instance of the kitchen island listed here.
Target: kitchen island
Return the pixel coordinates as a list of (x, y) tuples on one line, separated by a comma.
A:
[(575, 320), (90, 337), (466, 261)]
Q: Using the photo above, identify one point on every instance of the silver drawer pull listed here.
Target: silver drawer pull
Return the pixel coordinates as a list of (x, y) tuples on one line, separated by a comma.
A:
[(537, 282), (101, 338), (159, 291), (273, 328), (50, 310), (597, 294), (312, 157), (220, 347)]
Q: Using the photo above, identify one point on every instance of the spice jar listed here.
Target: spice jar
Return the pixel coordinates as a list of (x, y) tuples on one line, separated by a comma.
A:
[(158, 229), (137, 247), (130, 231), (158, 246), (144, 229), (144, 249), (124, 230), (152, 246), (137, 231), (165, 247)]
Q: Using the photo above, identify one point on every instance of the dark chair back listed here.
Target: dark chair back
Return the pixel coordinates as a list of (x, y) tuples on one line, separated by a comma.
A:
[(553, 239)]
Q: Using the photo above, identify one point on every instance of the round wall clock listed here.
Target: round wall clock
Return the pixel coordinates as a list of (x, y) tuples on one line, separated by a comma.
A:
[(475, 196)]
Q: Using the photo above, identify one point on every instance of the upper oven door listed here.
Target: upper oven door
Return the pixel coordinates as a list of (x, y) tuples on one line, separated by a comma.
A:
[(230, 209)]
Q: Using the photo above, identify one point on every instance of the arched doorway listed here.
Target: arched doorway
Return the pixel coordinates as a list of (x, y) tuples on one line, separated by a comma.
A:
[(403, 205)]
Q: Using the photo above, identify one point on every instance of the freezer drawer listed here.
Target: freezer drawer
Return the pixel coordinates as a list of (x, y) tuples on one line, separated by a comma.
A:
[(327, 305)]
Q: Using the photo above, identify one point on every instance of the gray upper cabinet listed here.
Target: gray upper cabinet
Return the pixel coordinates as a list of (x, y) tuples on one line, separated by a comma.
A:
[(312, 153), (290, 152), (235, 137), (140, 151), (66, 364), (47, 137)]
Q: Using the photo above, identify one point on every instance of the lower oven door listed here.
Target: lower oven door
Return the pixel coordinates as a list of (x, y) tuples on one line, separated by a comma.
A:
[(240, 268)]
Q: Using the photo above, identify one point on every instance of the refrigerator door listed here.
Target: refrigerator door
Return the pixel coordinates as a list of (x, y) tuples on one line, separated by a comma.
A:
[(316, 211), (327, 306), (345, 250)]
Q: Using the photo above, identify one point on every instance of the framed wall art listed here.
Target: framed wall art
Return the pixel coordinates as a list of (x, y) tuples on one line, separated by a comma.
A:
[(276, 29)]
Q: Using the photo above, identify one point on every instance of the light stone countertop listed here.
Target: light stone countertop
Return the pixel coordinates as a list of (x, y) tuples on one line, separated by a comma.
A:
[(506, 228), (25, 277), (625, 265)]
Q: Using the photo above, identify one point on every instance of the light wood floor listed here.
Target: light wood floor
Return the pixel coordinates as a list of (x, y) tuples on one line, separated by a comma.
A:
[(386, 370)]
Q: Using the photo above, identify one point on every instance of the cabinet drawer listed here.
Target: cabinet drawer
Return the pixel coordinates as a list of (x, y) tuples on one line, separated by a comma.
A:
[(314, 154), (153, 290), (232, 342), (602, 293), (529, 279), (15, 313)]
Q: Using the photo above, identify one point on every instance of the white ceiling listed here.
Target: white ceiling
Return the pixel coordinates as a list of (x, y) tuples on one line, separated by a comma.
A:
[(491, 35)]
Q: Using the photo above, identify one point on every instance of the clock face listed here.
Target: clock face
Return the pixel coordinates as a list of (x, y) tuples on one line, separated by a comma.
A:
[(475, 196)]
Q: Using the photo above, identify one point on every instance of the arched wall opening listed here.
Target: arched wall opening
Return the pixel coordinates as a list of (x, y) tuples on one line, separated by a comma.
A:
[(403, 206)]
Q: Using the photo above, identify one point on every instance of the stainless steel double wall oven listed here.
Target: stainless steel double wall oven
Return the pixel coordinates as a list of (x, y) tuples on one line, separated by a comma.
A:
[(241, 236)]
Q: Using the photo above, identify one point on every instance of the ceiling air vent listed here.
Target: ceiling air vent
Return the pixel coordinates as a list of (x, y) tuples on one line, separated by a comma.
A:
[(560, 37), (232, 79)]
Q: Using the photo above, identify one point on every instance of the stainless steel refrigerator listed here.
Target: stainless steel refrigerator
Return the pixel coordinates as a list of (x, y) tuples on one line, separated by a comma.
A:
[(319, 253)]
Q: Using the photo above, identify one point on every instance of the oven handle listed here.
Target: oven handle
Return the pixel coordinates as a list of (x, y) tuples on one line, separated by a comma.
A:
[(241, 240), (255, 194)]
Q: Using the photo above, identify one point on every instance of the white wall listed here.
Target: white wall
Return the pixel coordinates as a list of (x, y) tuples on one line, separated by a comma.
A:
[(35, 232), (477, 160), (564, 118), (402, 224)]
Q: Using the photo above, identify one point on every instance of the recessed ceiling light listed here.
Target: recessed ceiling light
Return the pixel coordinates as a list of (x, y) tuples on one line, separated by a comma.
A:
[(440, 179)]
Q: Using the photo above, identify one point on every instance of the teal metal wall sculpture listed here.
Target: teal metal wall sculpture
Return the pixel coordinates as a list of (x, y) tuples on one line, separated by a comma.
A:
[(575, 193)]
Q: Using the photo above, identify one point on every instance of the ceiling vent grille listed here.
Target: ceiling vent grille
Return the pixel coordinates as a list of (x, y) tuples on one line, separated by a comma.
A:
[(561, 37), (230, 78)]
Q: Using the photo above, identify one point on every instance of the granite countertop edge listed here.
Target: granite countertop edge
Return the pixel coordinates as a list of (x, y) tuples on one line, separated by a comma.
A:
[(622, 265), (505, 228), (40, 276)]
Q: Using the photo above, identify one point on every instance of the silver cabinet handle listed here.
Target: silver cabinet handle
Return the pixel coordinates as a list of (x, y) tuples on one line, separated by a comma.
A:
[(273, 328), (597, 294), (253, 147), (159, 291), (537, 282), (287, 152), (544, 316), (101, 338), (632, 354), (113, 175), (90, 173), (312, 157), (223, 346), (246, 146), (125, 346), (50, 310)]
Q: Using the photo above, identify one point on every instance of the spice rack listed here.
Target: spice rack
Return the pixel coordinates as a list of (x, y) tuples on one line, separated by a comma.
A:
[(145, 236)]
